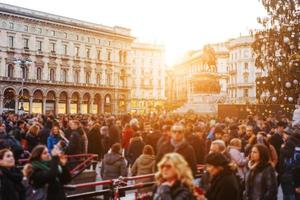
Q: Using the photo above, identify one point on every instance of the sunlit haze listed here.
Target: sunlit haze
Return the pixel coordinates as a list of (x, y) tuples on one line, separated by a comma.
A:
[(180, 25)]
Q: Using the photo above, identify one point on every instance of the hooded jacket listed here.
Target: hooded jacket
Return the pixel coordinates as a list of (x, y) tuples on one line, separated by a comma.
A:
[(113, 166), (145, 164)]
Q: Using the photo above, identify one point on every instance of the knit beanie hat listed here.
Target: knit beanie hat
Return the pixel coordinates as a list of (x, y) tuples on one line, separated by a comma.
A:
[(217, 159)]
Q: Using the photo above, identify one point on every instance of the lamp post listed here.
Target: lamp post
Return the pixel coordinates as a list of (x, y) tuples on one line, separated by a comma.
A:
[(22, 63)]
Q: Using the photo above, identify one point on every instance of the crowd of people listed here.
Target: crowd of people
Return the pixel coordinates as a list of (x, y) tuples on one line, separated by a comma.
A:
[(244, 158)]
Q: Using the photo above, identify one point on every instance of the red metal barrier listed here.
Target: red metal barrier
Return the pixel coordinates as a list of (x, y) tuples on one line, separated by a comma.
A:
[(116, 185), (80, 167)]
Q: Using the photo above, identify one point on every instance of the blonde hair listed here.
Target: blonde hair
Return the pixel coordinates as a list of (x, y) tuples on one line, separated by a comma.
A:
[(183, 171), (235, 142), (34, 129)]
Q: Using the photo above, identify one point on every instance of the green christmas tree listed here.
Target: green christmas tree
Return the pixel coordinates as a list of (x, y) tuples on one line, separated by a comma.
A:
[(277, 50)]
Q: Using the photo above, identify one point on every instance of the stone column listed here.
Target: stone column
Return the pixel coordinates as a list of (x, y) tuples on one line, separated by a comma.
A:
[(79, 106), (102, 105), (3, 65), (30, 104), (44, 105), (1, 104), (68, 105), (56, 106), (17, 104), (91, 105)]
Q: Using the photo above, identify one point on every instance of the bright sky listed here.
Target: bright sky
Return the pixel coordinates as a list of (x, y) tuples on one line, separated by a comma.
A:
[(180, 25)]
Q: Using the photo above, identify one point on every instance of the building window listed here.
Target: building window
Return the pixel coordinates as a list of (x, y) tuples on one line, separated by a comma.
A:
[(77, 51), (245, 78), (98, 79), (99, 41), (52, 45), (10, 71), (246, 66), (11, 25), (88, 53), (64, 75), (246, 92), (108, 56), (89, 39), (24, 72), (40, 30), (26, 43), (39, 73), (11, 41), (65, 35), (65, 49), (87, 77), (52, 74), (76, 77), (52, 33), (125, 57), (108, 78), (77, 37), (40, 45), (120, 56), (99, 55), (25, 28)]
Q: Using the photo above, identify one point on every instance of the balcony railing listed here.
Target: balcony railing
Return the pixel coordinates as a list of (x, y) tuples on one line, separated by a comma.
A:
[(48, 82)]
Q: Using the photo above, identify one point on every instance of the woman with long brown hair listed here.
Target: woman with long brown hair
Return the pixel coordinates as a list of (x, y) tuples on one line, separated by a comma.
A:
[(261, 179), (49, 172)]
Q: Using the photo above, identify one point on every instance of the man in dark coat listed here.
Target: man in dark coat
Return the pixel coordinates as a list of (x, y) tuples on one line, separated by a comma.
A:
[(95, 139), (165, 137), (45, 131), (153, 136), (76, 143), (178, 144), (113, 132), (196, 139), (19, 131), (277, 140)]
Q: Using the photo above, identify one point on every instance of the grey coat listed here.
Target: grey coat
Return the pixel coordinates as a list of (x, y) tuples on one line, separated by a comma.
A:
[(113, 166), (262, 184)]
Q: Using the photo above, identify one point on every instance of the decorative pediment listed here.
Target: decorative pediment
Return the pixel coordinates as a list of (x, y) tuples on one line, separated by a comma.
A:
[(52, 64), (39, 63)]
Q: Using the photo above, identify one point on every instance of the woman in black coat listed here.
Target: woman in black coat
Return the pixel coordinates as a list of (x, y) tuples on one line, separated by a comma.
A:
[(11, 187), (135, 148), (224, 184), (261, 179), (49, 171)]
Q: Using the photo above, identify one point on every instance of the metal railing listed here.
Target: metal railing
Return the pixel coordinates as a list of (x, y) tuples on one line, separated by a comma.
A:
[(116, 186), (80, 162)]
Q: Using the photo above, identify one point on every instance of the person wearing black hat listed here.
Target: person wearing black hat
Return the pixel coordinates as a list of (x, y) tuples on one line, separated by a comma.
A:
[(224, 184)]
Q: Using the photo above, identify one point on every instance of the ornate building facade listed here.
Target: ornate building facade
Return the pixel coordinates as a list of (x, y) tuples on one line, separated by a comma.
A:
[(235, 66), (50, 63), (148, 77), (242, 71)]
